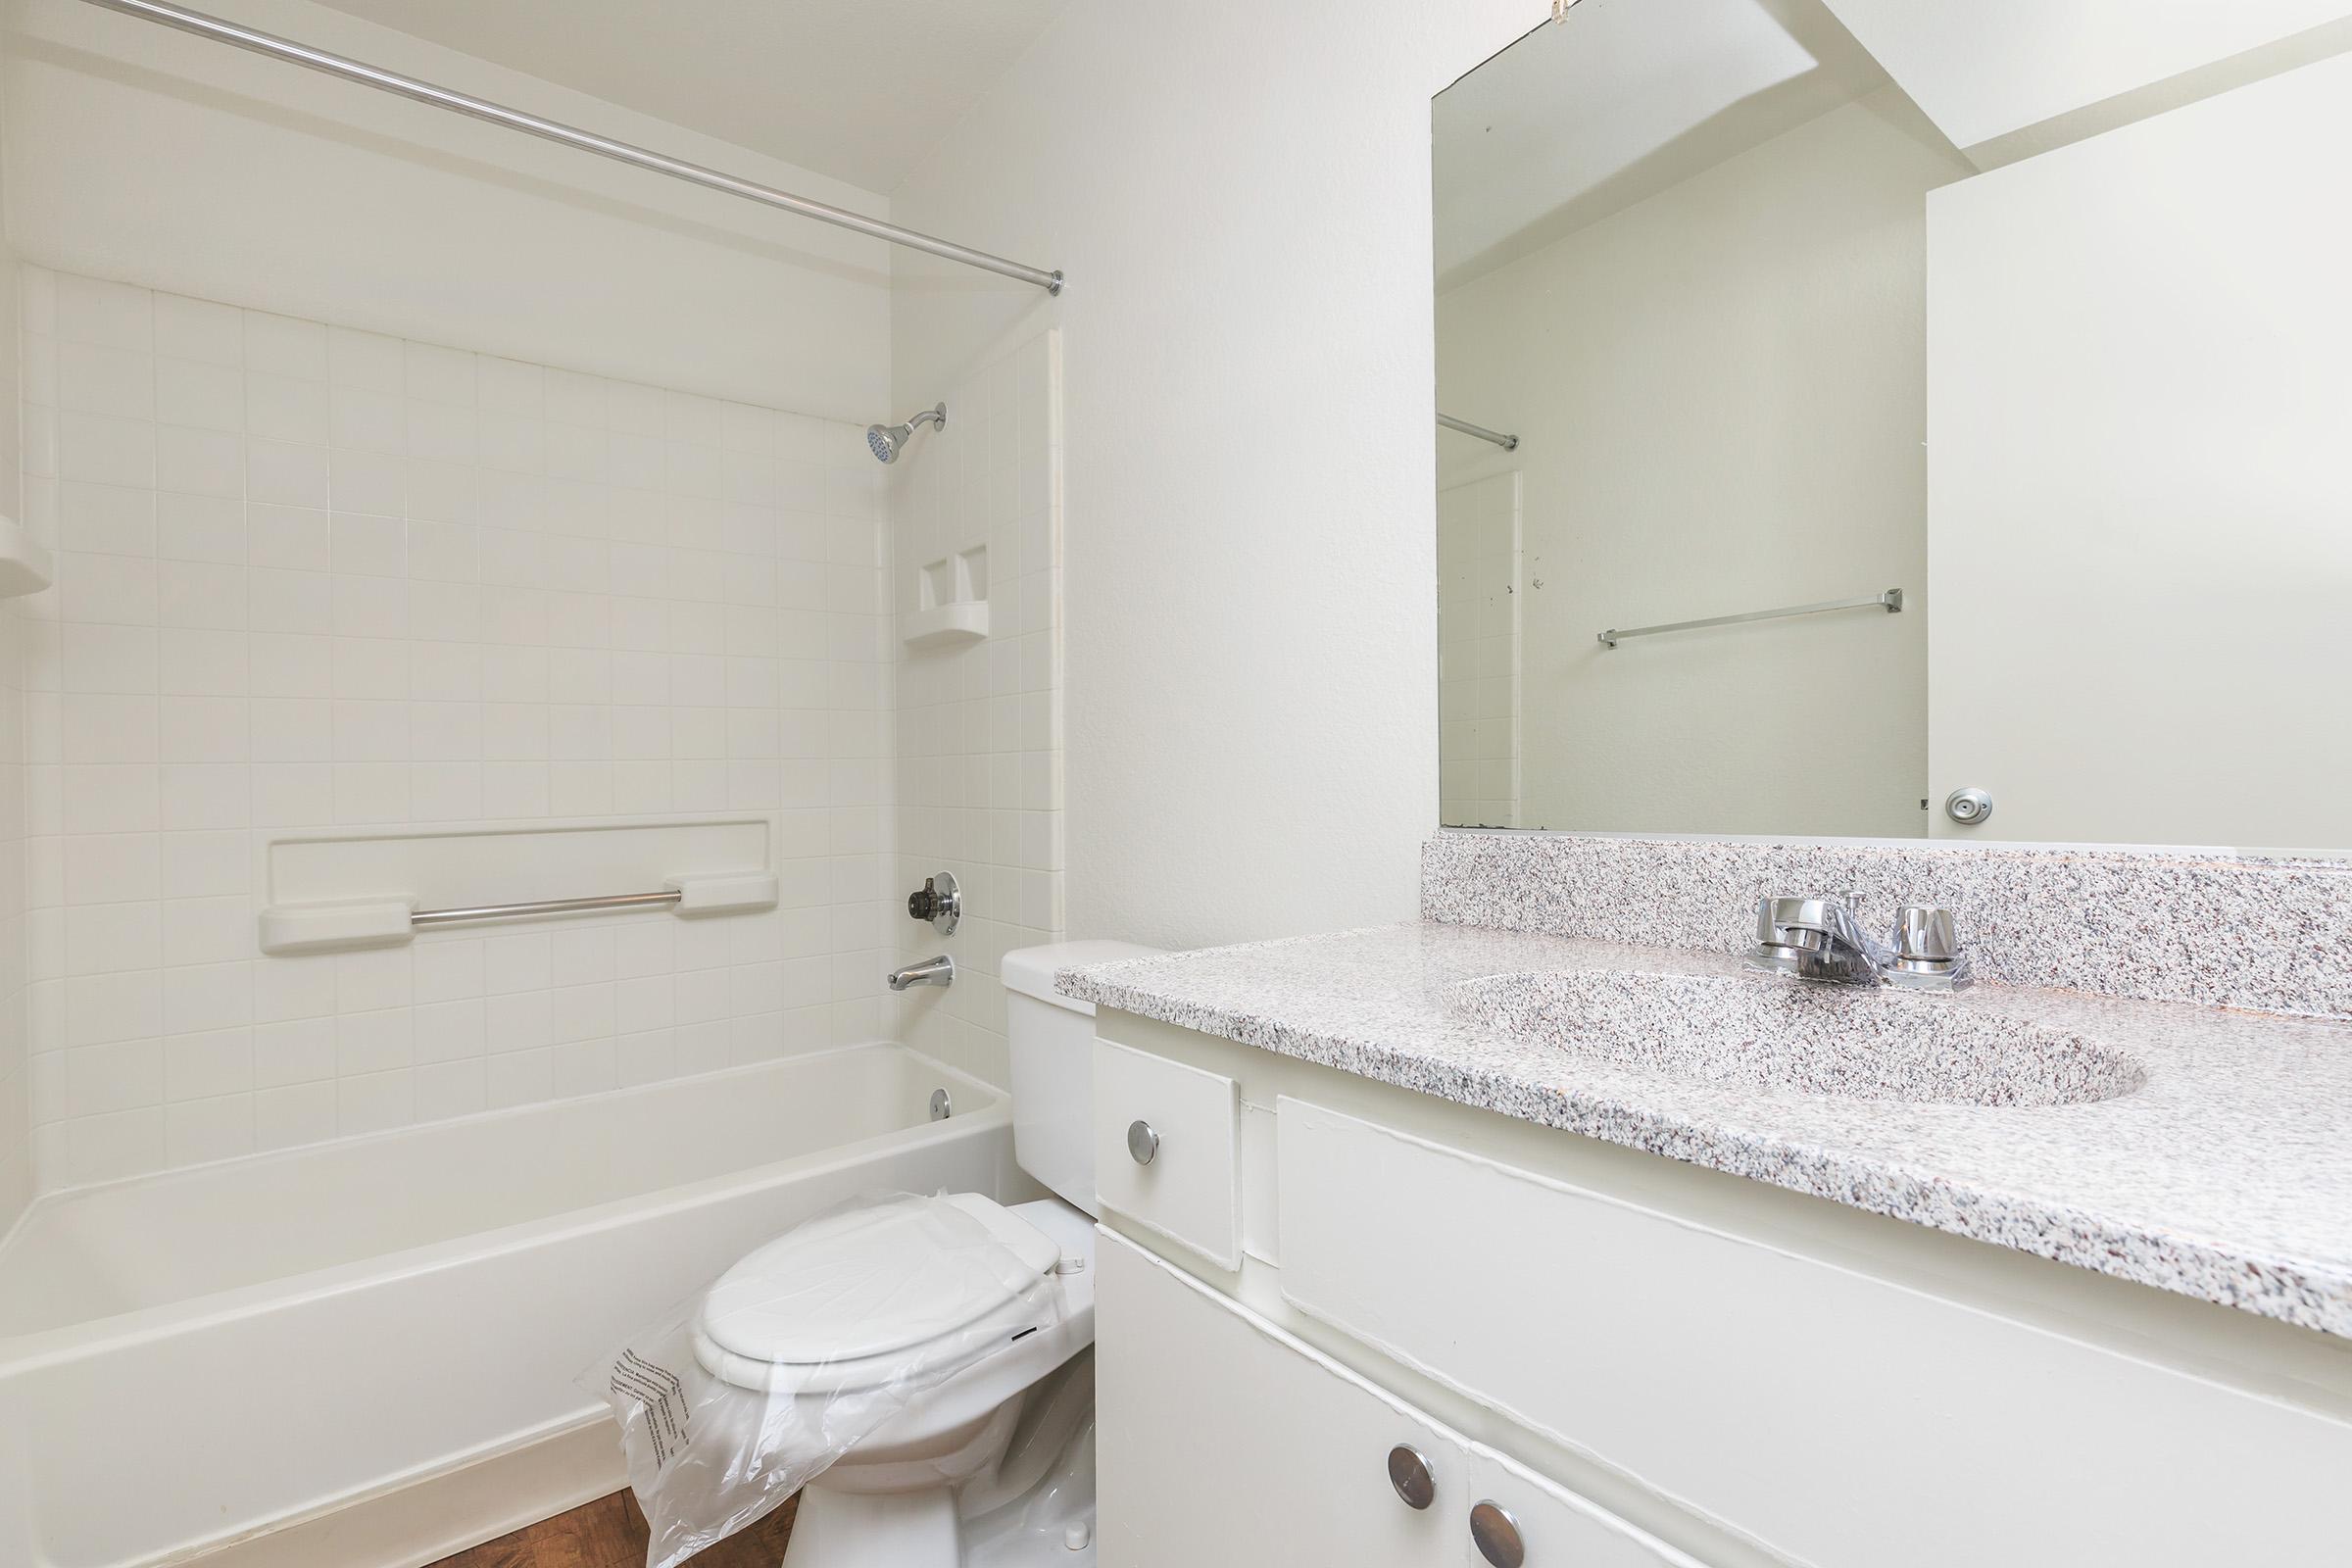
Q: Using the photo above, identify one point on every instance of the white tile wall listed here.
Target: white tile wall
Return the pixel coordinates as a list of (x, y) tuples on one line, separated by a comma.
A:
[(313, 578), (979, 742)]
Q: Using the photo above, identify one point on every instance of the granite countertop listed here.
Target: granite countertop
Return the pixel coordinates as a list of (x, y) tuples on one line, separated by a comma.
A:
[(2226, 1175)]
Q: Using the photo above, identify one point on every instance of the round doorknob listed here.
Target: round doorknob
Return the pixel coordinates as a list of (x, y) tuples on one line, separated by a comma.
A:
[(1497, 1534), (1968, 807), (1408, 1473), (1141, 1142)]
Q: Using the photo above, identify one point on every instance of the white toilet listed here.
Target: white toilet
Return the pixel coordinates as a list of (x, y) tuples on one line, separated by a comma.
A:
[(995, 1465)]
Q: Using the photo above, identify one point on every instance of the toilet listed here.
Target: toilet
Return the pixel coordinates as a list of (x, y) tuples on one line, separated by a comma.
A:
[(993, 1465)]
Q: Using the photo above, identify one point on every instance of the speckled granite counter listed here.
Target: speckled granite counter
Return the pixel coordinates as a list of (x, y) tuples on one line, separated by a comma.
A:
[(2226, 1175)]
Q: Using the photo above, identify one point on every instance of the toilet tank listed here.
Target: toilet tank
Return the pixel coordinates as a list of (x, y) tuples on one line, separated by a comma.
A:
[(1052, 1041)]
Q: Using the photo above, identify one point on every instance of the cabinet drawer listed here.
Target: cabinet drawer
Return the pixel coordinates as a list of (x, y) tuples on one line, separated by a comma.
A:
[(1187, 1122), (1840, 1419)]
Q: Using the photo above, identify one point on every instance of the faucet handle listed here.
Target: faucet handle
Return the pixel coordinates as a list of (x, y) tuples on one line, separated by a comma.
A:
[(1926, 950), (1925, 931), (1814, 938), (1801, 923)]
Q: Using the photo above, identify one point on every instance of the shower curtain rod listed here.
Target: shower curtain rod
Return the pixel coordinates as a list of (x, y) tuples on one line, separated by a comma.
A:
[(424, 92)]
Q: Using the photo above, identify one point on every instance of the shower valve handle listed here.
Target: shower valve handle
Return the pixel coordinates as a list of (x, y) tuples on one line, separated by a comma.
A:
[(937, 902)]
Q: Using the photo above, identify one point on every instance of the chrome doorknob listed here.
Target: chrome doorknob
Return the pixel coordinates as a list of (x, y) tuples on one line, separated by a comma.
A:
[(1143, 1141), (1408, 1473), (1497, 1534)]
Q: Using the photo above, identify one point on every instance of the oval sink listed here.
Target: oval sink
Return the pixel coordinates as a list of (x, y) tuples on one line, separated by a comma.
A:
[(1787, 1037)]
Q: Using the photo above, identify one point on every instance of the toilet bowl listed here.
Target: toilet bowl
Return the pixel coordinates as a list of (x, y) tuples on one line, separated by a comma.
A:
[(930, 1486), (986, 1459)]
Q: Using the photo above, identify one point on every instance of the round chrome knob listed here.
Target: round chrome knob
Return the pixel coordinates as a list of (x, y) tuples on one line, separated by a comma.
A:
[(1497, 1534), (1968, 807), (1408, 1473), (1141, 1142)]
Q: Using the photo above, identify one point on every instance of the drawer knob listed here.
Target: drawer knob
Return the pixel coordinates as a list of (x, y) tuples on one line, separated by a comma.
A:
[(1497, 1534), (1143, 1141), (1408, 1473)]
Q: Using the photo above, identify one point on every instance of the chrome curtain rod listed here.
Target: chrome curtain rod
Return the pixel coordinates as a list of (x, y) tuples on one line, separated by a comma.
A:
[(424, 92), (1892, 602), (1509, 443)]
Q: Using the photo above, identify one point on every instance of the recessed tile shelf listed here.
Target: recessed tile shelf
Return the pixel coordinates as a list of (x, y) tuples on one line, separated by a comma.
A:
[(25, 565), (336, 893)]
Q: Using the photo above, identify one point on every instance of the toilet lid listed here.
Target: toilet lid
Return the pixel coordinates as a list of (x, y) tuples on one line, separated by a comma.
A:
[(868, 1281)]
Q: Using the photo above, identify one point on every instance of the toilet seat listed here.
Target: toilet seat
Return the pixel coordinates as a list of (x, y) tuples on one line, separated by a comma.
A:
[(861, 1299)]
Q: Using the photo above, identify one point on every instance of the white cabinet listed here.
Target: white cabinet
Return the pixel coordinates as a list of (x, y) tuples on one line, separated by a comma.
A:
[(1756, 1376), (1737, 1378), (1223, 1439)]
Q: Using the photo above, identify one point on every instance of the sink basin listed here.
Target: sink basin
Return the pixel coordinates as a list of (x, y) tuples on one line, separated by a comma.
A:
[(1786, 1037)]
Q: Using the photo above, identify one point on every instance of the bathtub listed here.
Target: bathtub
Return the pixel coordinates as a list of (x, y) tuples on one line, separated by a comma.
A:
[(362, 1352)]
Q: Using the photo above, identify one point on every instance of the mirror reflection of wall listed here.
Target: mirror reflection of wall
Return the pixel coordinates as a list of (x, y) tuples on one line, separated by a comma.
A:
[(1729, 284)]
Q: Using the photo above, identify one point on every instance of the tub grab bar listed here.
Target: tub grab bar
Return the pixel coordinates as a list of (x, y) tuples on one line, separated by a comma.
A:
[(662, 899), (323, 927)]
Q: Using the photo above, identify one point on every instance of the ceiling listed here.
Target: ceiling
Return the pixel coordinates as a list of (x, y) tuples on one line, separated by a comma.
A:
[(857, 89), (1626, 97)]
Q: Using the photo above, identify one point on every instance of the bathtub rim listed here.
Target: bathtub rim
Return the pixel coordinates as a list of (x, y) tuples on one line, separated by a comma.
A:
[(64, 1343)]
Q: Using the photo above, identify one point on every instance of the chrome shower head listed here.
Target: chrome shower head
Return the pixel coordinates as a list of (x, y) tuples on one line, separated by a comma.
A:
[(887, 440)]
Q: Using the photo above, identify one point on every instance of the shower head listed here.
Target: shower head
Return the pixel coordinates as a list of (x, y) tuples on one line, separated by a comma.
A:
[(886, 440)]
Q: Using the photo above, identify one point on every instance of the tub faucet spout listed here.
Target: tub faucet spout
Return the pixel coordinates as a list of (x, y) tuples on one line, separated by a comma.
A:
[(938, 971)]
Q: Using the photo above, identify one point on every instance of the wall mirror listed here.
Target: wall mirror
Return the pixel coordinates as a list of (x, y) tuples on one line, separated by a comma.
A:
[(1858, 420)]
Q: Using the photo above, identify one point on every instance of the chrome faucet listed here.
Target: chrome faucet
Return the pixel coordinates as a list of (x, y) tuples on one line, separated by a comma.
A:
[(1815, 938), (938, 971)]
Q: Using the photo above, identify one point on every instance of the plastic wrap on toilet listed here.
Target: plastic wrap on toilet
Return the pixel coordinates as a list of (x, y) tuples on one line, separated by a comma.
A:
[(717, 1433)]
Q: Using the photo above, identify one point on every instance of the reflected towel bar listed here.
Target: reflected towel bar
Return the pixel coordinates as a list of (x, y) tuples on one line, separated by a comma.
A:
[(1892, 602), (663, 900), (1509, 443)]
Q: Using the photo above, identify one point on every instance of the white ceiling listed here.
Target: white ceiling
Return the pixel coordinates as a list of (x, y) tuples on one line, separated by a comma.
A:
[(857, 89), (1624, 98)]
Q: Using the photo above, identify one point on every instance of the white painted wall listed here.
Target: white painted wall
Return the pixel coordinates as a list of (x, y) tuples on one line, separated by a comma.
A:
[(1480, 591), (16, 1115), (2138, 482), (147, 155), (1240, 194), (1718, 398), (1984, 68)]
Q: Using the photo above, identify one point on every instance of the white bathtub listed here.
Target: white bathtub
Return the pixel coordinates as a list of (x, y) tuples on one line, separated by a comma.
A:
[(362, 1352)]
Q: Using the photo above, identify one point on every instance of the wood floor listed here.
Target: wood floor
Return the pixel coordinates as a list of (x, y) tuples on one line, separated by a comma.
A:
[(609, 1533)]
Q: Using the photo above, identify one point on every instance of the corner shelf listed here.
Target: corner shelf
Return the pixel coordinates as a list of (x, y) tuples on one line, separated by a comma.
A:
[(951, 601), (943, 625)]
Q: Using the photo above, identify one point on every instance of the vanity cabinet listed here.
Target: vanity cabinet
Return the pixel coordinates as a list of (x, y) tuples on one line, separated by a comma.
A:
[(1228, 1442), (1645, 1361)]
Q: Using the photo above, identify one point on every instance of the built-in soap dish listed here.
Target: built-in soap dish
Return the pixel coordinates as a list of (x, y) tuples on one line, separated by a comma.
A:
[(951, 601), (25, 565)]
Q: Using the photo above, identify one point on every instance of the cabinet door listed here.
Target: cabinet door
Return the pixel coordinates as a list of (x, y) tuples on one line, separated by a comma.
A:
[(1554, 1527), (1221, 1439)]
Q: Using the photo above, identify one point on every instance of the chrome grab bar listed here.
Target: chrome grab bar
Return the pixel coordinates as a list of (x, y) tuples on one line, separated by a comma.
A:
[(665, 899), (1892, 602)]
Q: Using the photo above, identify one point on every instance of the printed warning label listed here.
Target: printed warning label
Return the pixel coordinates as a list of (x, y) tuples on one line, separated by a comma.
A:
[(660, 1400)]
